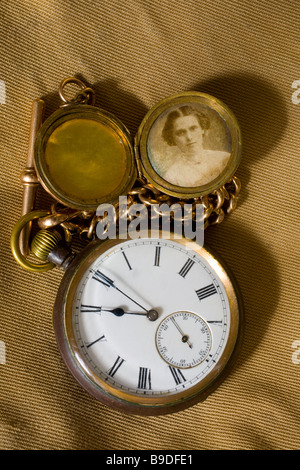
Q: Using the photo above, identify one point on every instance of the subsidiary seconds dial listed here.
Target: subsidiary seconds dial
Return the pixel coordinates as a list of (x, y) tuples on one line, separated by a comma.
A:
[(183, 340)]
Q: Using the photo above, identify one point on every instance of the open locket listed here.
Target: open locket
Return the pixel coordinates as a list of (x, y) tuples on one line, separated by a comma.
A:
[(187, 146)]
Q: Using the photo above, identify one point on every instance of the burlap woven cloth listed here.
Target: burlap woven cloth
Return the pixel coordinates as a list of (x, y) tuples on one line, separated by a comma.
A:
[(135, 53)]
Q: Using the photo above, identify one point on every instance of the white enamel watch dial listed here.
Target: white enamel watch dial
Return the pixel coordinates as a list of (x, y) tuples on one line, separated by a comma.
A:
[(147, 325)]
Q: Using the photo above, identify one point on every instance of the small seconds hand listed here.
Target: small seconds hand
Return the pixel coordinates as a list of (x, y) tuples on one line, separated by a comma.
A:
[(184, 338)]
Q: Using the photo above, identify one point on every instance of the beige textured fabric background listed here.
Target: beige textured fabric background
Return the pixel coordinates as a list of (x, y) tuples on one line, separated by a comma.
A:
[(135, 53)]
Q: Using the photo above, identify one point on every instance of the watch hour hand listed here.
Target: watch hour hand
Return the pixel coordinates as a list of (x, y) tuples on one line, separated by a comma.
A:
[(119, 312), (152, 315)]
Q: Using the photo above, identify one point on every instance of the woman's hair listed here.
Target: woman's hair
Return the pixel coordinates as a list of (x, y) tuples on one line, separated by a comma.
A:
[(167, 132)]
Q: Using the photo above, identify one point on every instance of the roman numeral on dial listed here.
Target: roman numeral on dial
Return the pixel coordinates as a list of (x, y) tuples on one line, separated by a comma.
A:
[(90, 309), (206, 291), (117, 364), (126, 259), (208, 358), (105, 280), (96, 341), (177, 375), (186, 267), (144, 378), (157, 255)]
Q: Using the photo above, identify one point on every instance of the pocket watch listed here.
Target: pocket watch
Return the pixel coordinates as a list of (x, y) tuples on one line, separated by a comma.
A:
[(148, 325)]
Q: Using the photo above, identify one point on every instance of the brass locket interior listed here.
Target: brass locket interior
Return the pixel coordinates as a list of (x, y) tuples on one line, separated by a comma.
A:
[(85, 156)]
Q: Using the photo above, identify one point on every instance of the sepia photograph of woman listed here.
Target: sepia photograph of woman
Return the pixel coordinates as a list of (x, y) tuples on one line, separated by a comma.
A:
[(192, 164)]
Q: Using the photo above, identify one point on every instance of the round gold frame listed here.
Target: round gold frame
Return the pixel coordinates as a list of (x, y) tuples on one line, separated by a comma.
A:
[(101, 390), (83, 111), (141, 142)]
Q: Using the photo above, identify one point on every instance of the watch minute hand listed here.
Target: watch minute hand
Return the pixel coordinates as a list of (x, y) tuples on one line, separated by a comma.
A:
[(99, 276)]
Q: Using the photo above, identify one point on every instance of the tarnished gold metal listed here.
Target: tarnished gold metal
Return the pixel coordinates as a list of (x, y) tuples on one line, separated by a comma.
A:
[(80, 110), (29, 178), (43, 242), (216, 206), (15, 247), (83, 223), (85, 96), (141, 185), (58, 216)]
